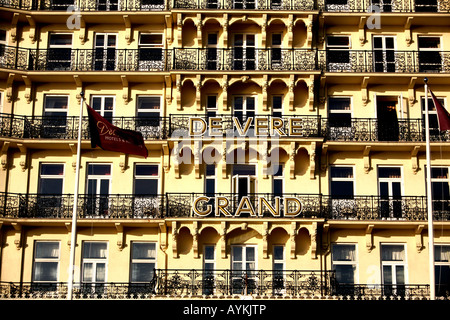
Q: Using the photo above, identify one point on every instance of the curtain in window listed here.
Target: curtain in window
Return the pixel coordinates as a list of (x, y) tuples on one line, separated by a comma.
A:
[(95, 250), (144, 251), (344, 253), (47, 250), (393, 253), (442, 253)]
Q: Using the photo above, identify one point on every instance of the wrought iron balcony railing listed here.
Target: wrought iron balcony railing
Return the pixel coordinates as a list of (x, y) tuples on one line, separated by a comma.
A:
[(230, 59), (179, 205), (87, 5), (154, 128), (303, 284), (51, 127), (181, 282), (239, 58), (385, 5), (371, 129), (368, 61), (297, 5)]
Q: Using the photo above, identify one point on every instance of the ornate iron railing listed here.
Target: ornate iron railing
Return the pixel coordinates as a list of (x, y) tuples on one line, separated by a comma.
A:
[(51, 127), (384, 6), (88, 5), (183, 282), (409, 208), (368, 61), (371, 129), (298, 5), (88, 206), (244, 59), (179, 205)]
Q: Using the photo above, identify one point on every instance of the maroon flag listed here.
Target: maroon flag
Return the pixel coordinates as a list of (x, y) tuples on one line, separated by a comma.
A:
[(111, 138), (442, 114)]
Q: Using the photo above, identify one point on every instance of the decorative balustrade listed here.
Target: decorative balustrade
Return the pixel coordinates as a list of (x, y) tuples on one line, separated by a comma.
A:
[(297, 5), (87, 5), (229, 59), (183, 283), (384, 5), (179, 205)]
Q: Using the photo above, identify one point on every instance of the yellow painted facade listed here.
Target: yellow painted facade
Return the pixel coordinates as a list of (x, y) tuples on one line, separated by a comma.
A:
[(354, 81)]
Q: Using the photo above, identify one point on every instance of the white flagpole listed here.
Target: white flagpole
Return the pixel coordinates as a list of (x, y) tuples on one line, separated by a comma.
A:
[(75, 202), (429, 200)]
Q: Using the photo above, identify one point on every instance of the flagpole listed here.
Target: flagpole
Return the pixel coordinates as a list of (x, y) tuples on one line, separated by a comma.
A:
[(75, 202), (429, 200)]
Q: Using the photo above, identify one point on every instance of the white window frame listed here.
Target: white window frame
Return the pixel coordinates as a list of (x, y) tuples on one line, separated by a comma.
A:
[(349, 111), (353, 179), (46, 109), (440, 263), (105, 47), (102, 104), (441, 99), (95, 261), (279, 177), (99, 177), (440, 49), (245, 46), (244, 104), (393, 264), (56, 177), (44, 260), (142, 177), (55, 46), (159, 110), (280, 109), (391, 180), (137, 260), (249, 178), (211, 177), (353, 263), (347, 66)]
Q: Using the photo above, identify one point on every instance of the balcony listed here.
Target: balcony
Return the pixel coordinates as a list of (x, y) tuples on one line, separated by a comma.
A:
[(238, 58), (388, 6), (182, 283), (297, 5), (379, 130), (385, 61), (87, 5), (66, 128)]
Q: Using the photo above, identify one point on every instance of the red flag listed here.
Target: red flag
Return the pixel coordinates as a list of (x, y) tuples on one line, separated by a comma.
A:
[(442, 114), (111, 138)]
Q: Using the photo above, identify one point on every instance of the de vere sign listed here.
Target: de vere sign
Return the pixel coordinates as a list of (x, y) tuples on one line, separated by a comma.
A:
[(290, 207), (261, 126)]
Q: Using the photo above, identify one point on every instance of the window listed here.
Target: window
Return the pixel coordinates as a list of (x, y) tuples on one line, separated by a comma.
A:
[(440, 182), (94, 262), (432, 117), (209, 262), (244, 52), (104, 105), (46, 261), (339, 113), (148, 107), (61, 4), (105, 51), (342, 182), (384, 53), (98, 185), (212, 58), (210, 180), (430, 55), (393, 265), (243, 267), (442, 269), (211, 105), (146, 177), (244, 107), (59, 51), (3, 49), (384, 5), (51, 178), (277, 106), (54, 122), (150, 51), (276, 53), (143, 262), (278, 269), (278, 180), (338, 54), (244, 180), (344, 263), (390, 191)]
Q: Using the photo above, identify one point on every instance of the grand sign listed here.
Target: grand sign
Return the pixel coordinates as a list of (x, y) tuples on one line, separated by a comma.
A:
[(288, 207)]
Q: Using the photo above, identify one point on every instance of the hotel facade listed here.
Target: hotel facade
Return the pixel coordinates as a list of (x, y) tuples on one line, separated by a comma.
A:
[(286, 148)]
